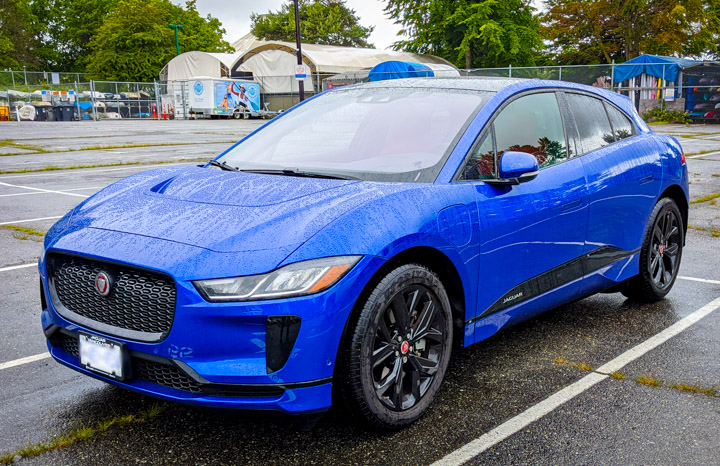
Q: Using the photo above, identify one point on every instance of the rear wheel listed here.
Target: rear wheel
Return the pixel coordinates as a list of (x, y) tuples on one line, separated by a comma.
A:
[(400, 348), (660, 254)]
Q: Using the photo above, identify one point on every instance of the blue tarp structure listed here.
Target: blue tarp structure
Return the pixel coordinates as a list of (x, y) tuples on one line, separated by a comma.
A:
[(666, 68), (399, 70)]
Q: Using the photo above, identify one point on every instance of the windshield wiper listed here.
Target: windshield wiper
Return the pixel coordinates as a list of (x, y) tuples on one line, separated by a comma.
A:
[(223, 166), (296, 172)]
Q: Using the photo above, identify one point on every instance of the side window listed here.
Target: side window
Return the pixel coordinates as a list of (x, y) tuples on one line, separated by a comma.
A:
[(532, 124), (592, 122), (622, 126), (481, 163)]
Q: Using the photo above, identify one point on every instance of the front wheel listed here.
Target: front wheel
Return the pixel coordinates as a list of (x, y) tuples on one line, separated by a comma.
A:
[(400, 348), (660, 254)]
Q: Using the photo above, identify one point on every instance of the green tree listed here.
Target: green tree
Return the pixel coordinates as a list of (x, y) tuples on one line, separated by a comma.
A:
[(327, 22), (470, 33), (68, 27), (19, 46), (135, 42), (599, 31)]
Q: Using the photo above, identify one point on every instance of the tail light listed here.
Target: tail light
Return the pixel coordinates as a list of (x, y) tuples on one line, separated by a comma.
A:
[(682, 157)]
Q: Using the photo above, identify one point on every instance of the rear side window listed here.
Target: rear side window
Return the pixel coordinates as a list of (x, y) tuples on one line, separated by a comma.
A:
[(532, 124), (621, 125), (592, 122)]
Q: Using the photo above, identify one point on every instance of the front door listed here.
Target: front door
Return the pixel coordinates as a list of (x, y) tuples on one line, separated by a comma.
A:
[(532, 234)]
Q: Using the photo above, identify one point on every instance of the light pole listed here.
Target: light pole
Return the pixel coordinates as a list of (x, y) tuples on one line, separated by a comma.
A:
[(301, 83), (177, 43)]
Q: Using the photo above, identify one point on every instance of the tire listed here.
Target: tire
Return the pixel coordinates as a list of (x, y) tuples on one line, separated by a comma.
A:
[(398, 349), (660, 254), (236, 115)]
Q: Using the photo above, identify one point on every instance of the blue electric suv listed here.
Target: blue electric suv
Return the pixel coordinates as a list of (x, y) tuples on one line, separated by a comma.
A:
[(350, 245)]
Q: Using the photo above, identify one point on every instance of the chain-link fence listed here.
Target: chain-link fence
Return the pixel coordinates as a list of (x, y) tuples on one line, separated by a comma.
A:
[(694, 89), (22, 78)]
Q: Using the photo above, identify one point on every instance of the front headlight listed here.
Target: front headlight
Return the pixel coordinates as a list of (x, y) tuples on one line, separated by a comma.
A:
[(301, 278)]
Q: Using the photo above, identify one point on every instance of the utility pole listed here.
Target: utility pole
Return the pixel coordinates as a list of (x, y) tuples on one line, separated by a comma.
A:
[(301, 83), (177, 42)]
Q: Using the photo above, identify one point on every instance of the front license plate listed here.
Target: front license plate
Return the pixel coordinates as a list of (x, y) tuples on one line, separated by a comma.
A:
[(101, 355)]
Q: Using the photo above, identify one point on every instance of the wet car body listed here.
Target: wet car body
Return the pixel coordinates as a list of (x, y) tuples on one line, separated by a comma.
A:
[(504, 252)]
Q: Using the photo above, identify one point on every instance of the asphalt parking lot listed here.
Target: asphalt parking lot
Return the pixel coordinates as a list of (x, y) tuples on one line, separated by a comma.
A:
[(541, 393)]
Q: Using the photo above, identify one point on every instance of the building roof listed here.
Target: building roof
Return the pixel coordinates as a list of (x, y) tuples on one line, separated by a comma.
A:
[(335, 59)]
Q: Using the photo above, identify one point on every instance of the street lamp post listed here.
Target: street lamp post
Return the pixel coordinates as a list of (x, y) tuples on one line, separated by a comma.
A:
[(177, 42), (301, 83)]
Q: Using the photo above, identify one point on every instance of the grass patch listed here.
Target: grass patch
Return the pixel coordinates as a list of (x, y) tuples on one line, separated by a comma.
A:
[(707, 151), (27, 231), (617, 375), (714, 232), (709, 197), (98, 165), (694, 135), (693, 389), (648, 381), (19, 145), (98, 147), (81, 434)]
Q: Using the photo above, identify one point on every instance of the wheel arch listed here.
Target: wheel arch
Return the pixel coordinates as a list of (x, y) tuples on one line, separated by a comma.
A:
[(429, 257), (676, 193)]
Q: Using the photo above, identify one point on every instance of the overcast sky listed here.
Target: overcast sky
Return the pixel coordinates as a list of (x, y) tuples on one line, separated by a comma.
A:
[(235, 16)]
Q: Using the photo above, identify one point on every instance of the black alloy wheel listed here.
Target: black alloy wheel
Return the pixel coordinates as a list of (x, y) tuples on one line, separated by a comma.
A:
[(660, 254), (400, 348), (408, 346), (665, 249)]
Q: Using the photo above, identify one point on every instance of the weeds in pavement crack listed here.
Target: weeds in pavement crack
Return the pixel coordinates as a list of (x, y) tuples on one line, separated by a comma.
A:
[(81, 434), (643, 380)]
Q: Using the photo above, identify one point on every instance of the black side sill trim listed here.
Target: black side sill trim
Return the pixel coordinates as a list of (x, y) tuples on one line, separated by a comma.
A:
[(555, 278)]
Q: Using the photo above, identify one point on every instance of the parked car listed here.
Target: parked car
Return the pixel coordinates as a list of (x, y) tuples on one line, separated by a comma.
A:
[(352, 244)]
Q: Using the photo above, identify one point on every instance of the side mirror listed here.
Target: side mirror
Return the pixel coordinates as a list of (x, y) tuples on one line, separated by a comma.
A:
[(516, 168)]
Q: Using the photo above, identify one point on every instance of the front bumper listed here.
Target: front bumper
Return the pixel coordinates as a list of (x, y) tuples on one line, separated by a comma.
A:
[(217, 354)]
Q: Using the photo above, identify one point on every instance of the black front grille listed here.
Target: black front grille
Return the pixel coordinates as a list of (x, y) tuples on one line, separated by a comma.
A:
[(70, 345), (139, 300), (163, 374)]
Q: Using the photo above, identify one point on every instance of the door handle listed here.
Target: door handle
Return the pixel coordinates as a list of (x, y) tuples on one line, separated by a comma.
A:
[(572, 205), (646, 179)]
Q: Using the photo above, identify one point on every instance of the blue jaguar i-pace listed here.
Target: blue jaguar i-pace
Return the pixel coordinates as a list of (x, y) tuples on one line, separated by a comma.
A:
[(349, 246)]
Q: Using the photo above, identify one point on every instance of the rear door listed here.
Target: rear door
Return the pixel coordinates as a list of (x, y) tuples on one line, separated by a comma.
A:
[(532, 234), (624, 175)]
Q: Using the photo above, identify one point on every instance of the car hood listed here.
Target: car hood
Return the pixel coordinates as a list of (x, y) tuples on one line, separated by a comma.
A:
[(223, 211)]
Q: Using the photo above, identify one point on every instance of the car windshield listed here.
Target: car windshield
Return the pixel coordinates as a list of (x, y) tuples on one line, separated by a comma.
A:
[(373, 134)]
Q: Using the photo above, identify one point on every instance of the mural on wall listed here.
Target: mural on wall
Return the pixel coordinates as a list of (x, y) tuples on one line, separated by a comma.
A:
[(230, 95)]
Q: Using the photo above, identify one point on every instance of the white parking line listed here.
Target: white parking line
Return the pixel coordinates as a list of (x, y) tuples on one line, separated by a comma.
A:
[(701, 155), (28, 220), (21, 361), (44, 190), (532, 414), (34, 193), (15, 267), (701, 280)]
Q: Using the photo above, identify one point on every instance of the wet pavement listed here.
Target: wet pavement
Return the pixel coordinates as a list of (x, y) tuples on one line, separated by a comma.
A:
[(617, 420)]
